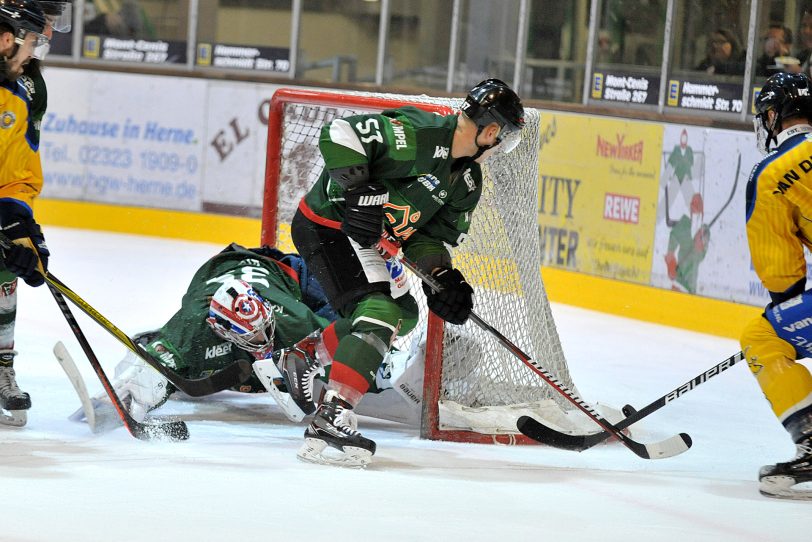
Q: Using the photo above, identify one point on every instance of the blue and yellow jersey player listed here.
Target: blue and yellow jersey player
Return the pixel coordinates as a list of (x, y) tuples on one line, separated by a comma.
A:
[(779, 227), (23, 25)]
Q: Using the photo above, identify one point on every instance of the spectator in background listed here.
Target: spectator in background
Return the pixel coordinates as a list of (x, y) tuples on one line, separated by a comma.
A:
[(804, 53), (776, 52), (805, 37), (608, 51), (119, 18), (725, 54)]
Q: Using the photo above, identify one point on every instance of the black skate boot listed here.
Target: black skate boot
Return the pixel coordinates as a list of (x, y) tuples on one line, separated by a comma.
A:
[(332, 438), (299, 368), (778, 480), (13, 401)]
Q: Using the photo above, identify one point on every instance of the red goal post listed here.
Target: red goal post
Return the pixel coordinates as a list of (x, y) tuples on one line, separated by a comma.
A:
[(467, 378)]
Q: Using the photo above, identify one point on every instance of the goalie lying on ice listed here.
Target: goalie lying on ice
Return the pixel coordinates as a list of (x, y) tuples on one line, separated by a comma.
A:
[(258, 305)]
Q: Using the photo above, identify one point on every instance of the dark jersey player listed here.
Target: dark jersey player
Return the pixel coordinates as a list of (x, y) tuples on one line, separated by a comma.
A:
[(414, 176)]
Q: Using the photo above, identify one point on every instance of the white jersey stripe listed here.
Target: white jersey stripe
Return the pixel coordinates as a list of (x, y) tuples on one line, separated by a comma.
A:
[(342, 134)]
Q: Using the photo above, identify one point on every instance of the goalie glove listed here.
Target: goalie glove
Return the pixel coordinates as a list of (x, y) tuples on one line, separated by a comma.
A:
[(28, 256), (363, 214), (455, 301)]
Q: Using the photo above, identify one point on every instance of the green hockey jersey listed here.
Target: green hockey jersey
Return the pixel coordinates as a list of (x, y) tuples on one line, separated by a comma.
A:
[(431, 195), (190, 347)]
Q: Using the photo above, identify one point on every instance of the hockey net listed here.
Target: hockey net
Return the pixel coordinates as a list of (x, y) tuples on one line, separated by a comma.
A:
[(474, 388)]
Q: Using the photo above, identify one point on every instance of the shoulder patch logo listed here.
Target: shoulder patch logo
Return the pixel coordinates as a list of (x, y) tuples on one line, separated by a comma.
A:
[(429, 181), (469, 180), (7, 119), (441, 152)]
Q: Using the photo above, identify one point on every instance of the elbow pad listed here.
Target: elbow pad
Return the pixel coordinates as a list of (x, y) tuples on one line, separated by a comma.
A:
[(351, 177)]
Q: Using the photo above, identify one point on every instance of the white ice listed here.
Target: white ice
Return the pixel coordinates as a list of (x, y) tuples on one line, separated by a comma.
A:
[(238, 478)]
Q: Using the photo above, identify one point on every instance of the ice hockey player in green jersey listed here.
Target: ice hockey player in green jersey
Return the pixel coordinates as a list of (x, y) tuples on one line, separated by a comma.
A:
[(414, 176), (258, 305)]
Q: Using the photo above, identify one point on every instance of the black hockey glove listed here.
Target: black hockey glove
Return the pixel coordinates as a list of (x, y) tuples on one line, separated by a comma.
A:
[(455, 301), (363, 214), (28, 256)]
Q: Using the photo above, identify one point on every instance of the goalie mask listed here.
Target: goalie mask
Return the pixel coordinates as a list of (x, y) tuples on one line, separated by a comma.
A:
[(491, 101), (787, 95), (241, 316)]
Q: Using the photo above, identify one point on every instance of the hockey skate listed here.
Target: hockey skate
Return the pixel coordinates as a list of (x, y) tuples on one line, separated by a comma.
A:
[(779, 480), (13, 401), (332, 438), (290, 380), (300, 368)]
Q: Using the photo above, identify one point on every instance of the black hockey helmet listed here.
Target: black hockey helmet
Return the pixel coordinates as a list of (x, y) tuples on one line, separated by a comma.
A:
[(789, 95), (22, 16), (493, 100), (59, 14)]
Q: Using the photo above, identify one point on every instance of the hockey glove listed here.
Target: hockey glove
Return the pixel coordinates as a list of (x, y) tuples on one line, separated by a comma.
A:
[(363, 214), (455, 301), (671, 265), (28, 256)]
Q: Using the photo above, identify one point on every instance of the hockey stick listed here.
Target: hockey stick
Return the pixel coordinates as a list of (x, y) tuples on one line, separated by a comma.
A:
[(732, 193), (670, 447), (175, 430), (542, 433), (225, 378), (668, 222)]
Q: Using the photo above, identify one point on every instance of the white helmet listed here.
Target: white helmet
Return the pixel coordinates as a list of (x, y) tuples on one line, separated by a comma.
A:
[(241, 316)]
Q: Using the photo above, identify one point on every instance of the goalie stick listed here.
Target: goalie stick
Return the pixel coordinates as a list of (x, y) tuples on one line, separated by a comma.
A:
[(174, 430), (542, 433), (225, 378), (667, 448)]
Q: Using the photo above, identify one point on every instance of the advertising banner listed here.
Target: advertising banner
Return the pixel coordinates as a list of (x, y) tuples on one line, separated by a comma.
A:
[(625, 87), (700, 242), (244, 57), (705, 95), (598, 181), (237, 120), (133, 50), (127, 139)]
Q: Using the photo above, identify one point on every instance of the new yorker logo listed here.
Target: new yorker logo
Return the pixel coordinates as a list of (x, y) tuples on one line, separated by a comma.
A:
[(441, 152), (218, 350), (368, 201), (619, 149)]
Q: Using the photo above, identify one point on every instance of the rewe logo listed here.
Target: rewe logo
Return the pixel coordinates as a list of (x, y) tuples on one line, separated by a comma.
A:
[(441, 152), (368, 201)]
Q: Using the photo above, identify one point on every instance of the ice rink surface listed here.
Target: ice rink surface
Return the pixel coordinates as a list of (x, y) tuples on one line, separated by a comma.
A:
[(238, 478)]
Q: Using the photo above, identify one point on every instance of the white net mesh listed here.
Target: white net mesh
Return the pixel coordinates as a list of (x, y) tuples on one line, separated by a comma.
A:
[(501, 259)]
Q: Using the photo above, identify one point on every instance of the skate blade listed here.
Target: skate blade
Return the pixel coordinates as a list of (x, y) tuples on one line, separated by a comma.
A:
[(13, 418), (782, 487), (317, 451)]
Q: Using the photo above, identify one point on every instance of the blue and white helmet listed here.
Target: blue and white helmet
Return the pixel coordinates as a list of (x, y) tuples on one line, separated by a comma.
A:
[(241, 316)]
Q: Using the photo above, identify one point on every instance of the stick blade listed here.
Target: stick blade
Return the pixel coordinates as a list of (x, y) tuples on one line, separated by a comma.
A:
[(171, 431), (539, 432)]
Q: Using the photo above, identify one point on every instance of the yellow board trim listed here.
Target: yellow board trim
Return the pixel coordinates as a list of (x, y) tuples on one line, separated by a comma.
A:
[(676, 309), (646, 303), (189, 226)]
